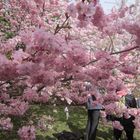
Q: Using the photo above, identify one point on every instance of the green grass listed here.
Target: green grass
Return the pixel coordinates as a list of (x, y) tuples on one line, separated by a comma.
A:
[(76, 123)]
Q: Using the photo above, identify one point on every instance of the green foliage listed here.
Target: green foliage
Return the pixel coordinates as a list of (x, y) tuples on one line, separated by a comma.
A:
[(9, 35), (9, 54), (4, 21), (5, 28)]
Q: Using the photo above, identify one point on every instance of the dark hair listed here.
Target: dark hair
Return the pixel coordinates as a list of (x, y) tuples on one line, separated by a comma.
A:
[(93, 97)]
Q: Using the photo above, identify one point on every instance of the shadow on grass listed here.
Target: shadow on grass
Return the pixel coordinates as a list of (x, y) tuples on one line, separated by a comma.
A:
[(79, 134), (103, 133), (74, 134), (40, 137), (66, 135)]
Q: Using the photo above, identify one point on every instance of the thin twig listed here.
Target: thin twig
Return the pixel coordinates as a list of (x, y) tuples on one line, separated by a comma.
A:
[(58, 28), (126, 50)]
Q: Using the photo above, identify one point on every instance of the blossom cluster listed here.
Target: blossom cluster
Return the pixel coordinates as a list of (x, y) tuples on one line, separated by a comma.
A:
[(6, 124), (15, 107), (42, 60), (27, 133)]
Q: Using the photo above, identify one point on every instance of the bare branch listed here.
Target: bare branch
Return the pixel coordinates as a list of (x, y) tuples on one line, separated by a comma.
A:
[(126, 50), (113, 53)]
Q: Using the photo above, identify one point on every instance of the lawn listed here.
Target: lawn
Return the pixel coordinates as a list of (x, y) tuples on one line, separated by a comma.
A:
[(76, 123)]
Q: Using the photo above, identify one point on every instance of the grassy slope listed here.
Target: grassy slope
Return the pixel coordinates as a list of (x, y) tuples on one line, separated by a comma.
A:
[(76, 123)]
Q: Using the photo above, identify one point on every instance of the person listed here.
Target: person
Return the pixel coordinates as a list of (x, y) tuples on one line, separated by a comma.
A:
[(130, 101), (138, 102), (67, 112), (127, 123), (93, 117)]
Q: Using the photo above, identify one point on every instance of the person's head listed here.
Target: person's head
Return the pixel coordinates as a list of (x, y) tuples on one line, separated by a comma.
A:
[(93, 97)]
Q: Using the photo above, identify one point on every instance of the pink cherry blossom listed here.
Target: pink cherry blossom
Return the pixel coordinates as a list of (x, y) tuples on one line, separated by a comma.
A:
[(27, 132), (117, 125), (6, 124), (71, 10), (45, 56)]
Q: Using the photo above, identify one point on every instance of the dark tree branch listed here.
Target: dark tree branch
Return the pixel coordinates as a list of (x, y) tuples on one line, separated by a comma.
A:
[(113, 53), (126, 50), (58, 28)]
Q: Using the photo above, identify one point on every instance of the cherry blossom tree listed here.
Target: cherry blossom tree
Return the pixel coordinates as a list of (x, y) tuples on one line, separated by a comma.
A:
[(51, 49)]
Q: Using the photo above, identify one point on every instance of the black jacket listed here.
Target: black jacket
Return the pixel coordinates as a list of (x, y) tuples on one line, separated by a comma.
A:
[(130, 101)]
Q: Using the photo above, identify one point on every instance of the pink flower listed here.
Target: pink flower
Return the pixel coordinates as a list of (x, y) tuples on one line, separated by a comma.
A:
[(81, 8), (134, 29), (121, 93), (17, 107), (90, 9), (44, 97), (39, 1), (133, 111), (117, 125), (30, 95), (71, 10), (27, 133), (82, 24), (101, 54), (26, 68), (95, 2), (5, 124), (137, 123), (129, 69), (99, 18), (126, 114), (19, 55), (110, 98), (122, 12), (8, 68), (110, 108), (4, 96)]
